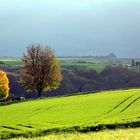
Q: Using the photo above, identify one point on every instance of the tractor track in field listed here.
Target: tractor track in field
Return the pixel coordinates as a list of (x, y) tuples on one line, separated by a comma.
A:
[(120, 103), (37, 111), (130, 104), (9, 127)]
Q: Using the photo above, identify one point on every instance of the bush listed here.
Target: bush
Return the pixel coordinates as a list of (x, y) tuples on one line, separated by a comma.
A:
[(4, 85)]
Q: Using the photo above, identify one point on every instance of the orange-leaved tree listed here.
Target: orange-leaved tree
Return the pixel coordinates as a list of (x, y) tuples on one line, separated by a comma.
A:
[(4, 85), (41, 71)]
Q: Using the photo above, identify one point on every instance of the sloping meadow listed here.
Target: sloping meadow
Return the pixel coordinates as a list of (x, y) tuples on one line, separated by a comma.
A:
[(79, 113)]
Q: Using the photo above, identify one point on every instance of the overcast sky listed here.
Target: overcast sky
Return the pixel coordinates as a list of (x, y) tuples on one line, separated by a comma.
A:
[(71, 27)]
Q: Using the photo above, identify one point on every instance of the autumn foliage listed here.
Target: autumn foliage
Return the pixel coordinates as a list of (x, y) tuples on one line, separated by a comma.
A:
[(41, 71), (4, 85)]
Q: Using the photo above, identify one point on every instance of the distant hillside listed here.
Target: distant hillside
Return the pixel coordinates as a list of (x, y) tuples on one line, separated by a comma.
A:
[(72, 113)]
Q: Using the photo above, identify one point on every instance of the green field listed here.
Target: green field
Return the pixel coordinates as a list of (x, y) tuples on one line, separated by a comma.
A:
[(14, 63), (97, 64), (79, 113), (67, 63)]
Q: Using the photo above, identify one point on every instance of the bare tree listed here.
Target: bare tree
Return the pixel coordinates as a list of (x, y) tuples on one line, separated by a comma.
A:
[(41, 71)]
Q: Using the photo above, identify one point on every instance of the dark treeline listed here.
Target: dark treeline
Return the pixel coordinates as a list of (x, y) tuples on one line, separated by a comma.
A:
[(84, 80)]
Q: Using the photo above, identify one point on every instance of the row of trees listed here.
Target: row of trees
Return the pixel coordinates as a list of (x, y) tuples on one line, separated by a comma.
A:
[(41, 71), (84, 80)]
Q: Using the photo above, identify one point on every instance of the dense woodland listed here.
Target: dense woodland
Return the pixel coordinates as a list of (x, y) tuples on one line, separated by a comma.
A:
[(81, 80)]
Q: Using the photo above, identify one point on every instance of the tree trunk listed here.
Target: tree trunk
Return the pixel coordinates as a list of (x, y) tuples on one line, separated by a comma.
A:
[(39, 94)]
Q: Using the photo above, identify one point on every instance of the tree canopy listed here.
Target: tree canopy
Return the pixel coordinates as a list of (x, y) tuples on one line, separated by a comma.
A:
[(4, 84), (41, 71)]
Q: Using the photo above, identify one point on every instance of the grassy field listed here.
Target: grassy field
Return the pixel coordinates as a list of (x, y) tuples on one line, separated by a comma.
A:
[(97, 64), (67, 63), (79, 113), (14, 63), (122, 134)]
